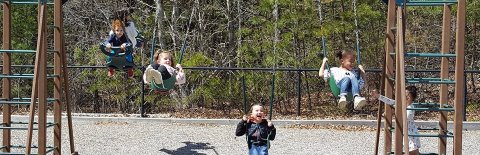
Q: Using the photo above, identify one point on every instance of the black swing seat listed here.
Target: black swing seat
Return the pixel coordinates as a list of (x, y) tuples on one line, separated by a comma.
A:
[(118, 58)]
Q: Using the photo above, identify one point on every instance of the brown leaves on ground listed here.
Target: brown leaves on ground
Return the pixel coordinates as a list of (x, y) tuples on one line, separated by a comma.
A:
[(334, 127), (110, 123)]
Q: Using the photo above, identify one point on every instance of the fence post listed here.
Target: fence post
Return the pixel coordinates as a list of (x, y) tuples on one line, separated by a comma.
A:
[(299, 93), (142, 101), (465, 99)]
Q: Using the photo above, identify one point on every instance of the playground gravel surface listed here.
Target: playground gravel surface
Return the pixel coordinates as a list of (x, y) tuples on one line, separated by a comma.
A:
[(134, 137)]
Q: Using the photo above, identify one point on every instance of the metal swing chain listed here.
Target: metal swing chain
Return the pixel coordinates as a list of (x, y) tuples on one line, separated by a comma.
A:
[(357, 38)]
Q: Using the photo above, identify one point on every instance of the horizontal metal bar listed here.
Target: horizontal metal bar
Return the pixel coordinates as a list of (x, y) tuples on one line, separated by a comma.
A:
[(430, 80), (429, 135), (432, 105), (420, 153), (26, 99), (431, 55), (392, 129), (24, 51), (429, 1), (26, 76), (432, 109), (21, 102), (25, 2), (48, 123), (425, 4), (33, 146), (24, 128), (15, 102)]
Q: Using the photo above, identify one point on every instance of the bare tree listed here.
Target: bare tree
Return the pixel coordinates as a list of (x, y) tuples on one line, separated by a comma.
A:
[(159, 13)]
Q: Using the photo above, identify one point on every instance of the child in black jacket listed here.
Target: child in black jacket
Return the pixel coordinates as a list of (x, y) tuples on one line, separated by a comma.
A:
[(259, 131)]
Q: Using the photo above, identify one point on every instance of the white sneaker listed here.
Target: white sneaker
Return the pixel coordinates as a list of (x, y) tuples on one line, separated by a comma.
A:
[(147, 77), (157, 76), (153, 75), (342, 102), (359, 102)]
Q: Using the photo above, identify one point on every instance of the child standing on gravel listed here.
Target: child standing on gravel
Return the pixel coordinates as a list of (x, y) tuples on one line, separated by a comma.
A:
[(348, 79), (258, 129), (413, 142)]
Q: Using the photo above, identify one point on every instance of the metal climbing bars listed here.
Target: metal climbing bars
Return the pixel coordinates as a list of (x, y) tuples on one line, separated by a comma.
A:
[(40, 97), (395, 53)]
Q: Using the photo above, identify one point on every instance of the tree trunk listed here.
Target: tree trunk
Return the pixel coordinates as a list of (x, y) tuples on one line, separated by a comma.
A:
[(239, 37), (174, 19), (231, 31), (159, 20)]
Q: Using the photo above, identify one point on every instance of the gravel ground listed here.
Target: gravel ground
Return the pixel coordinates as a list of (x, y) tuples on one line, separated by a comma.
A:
[(133, 137)]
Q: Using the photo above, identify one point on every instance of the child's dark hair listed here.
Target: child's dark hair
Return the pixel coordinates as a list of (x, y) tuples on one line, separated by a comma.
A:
[(412, 91), (340, 54)]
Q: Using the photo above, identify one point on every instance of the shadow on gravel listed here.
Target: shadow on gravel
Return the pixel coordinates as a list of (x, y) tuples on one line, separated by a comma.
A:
[(191, 148)]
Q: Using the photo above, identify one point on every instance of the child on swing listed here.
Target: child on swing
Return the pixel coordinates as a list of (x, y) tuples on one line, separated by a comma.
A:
[(411, 92), (162, 66), (119, 39), (348, 79), (130, 29), (258, 129)]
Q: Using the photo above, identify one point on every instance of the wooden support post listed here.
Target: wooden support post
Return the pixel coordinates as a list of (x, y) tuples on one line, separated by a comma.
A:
[(57, 106), (39, 86), (389, 47), (442, 141), (6, 83), (400, 110), (42, 84), (459, 77), (400, 98)]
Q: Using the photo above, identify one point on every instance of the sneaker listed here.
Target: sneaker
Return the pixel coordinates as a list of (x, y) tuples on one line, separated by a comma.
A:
[(359, 102), (153, 75), (342, 102), (130, 73), (111, 72), (147, 77)]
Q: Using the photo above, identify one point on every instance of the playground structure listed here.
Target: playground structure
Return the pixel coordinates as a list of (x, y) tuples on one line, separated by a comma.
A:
[(395, 47), (39, 95), (40, 77)]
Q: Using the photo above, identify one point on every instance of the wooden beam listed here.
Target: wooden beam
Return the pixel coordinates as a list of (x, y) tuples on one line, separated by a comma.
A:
[(38, 86), (400, 108), (42, 86), (6, 82), (389, 48), (57, 90), (459, 78), (447, 19)]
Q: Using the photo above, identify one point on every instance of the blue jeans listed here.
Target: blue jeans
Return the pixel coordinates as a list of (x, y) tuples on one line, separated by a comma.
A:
[(258, 150), (347, 85)]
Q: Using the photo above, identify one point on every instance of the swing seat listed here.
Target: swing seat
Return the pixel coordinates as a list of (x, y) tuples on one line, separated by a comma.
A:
[(117, 58), (154, 79), (336, 91)]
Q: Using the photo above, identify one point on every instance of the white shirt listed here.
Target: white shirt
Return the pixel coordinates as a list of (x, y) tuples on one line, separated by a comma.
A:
[(339, 74)]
